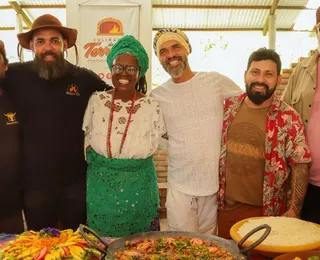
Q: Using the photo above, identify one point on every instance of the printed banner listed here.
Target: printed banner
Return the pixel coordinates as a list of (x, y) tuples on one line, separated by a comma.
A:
[(100, 28)]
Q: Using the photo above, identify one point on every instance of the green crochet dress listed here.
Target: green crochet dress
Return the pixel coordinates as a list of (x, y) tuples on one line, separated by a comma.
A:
[(122, 195)]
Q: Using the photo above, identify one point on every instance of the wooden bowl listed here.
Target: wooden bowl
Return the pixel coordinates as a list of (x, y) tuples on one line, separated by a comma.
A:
[(303, 255)]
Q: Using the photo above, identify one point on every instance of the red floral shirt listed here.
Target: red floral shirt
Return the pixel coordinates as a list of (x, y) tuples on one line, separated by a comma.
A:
[(285, 144)]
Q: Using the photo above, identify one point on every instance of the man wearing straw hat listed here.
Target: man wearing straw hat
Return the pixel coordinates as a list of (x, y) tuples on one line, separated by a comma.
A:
[(51, 95), (10, 196)]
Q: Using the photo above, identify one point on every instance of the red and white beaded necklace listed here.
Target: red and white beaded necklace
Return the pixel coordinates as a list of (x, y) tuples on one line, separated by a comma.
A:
[(111, 121)]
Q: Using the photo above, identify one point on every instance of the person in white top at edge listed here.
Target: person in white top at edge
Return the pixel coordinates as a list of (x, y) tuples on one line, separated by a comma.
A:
[(192, 105)]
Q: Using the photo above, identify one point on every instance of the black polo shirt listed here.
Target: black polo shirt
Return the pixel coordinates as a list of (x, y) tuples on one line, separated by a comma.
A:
[(10, 162), (51, 115)]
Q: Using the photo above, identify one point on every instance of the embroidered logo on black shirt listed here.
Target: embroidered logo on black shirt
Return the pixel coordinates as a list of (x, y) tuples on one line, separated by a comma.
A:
[(11, 117), (73, 90)]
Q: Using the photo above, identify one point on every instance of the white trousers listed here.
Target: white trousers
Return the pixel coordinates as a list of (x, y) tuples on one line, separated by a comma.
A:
[(191, 213)]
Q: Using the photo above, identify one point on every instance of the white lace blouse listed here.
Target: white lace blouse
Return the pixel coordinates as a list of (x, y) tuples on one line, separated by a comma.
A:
[(144, 132)]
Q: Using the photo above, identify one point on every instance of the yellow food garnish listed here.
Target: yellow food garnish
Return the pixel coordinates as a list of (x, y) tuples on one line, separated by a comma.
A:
[(49, 244)]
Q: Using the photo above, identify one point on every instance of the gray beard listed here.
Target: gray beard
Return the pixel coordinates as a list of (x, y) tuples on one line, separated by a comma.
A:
[(51, 71), (176, 72)]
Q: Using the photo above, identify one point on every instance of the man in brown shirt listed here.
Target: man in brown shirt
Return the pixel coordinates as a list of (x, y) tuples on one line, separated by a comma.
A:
[(245, 166), (263, 146)]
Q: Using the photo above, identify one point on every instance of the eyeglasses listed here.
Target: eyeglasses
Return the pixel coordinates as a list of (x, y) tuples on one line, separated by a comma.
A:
[(130, 70)]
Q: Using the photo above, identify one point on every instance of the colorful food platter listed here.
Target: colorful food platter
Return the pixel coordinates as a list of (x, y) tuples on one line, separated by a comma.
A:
[(49, 244)]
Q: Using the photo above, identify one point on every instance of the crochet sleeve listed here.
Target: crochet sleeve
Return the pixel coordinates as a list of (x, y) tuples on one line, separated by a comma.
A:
[(229, 88)]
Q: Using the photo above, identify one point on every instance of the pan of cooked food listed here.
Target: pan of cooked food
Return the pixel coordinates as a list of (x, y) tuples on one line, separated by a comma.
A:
[(165, 245)]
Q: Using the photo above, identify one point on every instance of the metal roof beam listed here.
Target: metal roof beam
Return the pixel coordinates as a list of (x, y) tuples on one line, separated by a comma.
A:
[(11, 28), (272, 12), (43, 6), (234, 7), (8, 7), (24, 6), (232, 29), (15, 5)]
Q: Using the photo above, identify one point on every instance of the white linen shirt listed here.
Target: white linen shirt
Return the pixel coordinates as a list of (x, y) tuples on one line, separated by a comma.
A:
[(193, 114)]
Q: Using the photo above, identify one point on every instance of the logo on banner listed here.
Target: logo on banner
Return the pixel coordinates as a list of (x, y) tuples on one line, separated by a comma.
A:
[(110, 26), (109, 31)]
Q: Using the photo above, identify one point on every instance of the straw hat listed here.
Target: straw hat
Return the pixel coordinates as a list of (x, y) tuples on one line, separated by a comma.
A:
[(48, 21)]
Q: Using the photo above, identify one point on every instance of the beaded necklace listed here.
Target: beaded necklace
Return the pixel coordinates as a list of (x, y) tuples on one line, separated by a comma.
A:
[(111, 120)]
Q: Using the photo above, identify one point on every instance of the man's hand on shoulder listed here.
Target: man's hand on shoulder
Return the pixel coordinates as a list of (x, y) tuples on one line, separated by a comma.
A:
[(96, 82), (103, 86)]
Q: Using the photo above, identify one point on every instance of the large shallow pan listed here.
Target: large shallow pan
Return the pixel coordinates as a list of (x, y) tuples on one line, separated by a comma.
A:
[(236, 250)]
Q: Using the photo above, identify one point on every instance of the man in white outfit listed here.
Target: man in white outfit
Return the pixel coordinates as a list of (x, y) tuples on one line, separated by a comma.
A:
[(192, 105)]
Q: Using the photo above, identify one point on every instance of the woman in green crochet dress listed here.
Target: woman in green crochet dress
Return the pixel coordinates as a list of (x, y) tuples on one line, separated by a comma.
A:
[(122, 130)]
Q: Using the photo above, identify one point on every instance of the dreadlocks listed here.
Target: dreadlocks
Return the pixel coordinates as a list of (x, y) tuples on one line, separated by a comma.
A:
[(141, 85)]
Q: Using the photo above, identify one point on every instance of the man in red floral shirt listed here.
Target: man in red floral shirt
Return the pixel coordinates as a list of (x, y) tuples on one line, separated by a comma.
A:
[(263, 149)]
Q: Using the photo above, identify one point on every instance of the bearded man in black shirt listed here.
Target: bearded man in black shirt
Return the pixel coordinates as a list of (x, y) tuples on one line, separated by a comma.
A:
[(51, 95), (10, 159)]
